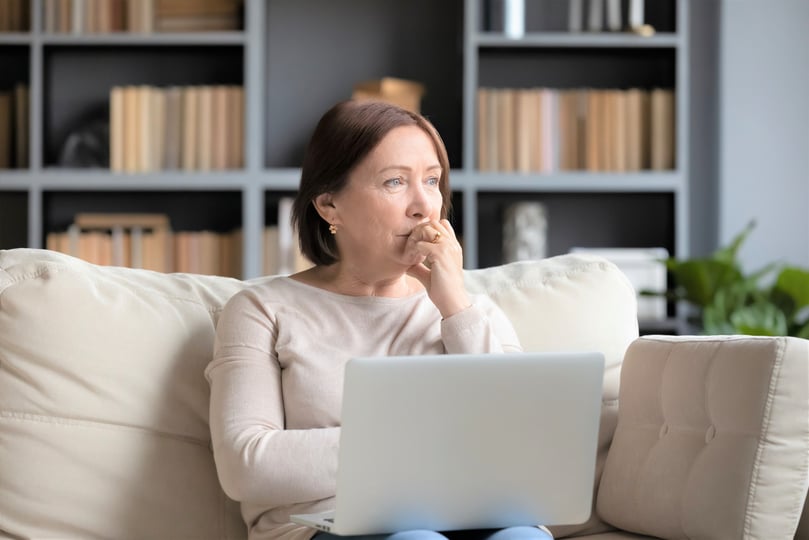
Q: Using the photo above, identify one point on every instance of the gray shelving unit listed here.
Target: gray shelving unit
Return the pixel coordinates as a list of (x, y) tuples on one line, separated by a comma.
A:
[(297, 58)]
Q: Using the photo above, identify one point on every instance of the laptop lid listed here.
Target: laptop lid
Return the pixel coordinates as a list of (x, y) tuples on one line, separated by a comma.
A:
[(451, 442)]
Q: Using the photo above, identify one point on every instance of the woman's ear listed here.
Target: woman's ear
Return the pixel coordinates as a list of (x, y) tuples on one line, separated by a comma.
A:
[(324, 204)]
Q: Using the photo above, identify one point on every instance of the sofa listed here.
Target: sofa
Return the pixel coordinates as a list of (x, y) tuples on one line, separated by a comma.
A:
[(103, 405)]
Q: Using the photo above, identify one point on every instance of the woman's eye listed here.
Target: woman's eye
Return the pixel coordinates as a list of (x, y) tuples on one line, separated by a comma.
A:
[(433, 181), (393, 182)]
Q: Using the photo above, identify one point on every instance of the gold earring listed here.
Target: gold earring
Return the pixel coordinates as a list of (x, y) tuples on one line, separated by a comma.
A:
[(332, 228)]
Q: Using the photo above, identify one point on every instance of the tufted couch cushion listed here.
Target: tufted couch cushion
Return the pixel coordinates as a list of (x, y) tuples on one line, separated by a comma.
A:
[(103, 404), (712, 439)]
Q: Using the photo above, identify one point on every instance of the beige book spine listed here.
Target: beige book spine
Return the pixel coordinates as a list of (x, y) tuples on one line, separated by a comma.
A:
[(205, 143), (190, 128), (5, 130)]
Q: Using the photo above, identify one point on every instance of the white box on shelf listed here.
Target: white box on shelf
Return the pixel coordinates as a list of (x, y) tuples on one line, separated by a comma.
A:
[(646, 271)]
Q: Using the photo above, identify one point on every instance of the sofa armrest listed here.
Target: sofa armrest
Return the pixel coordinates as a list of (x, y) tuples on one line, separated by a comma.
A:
[(712, 438)]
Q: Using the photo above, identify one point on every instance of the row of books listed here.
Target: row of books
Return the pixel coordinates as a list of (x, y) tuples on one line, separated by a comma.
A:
[(14, 128), (546, 130), (190, 128), (515, 17), (147, 241), (142, 16), (15, 15), (601, 15)]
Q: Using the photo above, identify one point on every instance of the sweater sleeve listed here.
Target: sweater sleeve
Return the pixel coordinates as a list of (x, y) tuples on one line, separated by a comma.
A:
[(480, 328), (257, 459)]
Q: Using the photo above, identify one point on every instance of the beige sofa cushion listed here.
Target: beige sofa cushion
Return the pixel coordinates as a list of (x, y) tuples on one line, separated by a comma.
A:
[(103, 404), (712, 439)]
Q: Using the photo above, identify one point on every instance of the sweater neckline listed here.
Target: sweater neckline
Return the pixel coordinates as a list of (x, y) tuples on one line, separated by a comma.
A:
[(355, 299)]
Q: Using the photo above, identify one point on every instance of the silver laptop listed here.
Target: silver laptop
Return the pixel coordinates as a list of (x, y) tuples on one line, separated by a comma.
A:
[(451, 442)]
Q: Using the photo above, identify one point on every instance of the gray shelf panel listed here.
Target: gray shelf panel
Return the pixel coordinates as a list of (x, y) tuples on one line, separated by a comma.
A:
[(578, 40), (641, 182), (281, 179), (103, 180), (22, 38), (14, 179), (147, 40)]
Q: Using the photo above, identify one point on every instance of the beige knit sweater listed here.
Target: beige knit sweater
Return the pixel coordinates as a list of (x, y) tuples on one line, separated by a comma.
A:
[(277, 378)]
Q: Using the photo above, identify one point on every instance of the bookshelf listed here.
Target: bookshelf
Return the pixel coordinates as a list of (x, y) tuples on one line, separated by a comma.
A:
[(295, 59)]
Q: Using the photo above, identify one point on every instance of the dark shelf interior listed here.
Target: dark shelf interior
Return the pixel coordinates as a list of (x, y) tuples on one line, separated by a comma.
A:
[(639, 220), (13, 219), (350, 42), (519, 67), (219, 211)]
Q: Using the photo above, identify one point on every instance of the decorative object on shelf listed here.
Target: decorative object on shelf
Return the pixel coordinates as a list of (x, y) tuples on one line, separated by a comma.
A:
[(87, 147), (636, 17), (525, 232), (406, 94), (773, 301), (646, 271), (514, 18), (282, 252)]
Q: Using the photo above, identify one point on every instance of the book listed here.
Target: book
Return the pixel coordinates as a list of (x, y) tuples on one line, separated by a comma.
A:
[(614, 15), (205, 142), (173, 132), (190, 137), (219, 128), (662, 129), (525, 122), (21, 126), (482, 129), (5, 130), (595, 16), (131, 129), (505, 130), (575, 18), (634, 129), (117, 128), (235, 127)]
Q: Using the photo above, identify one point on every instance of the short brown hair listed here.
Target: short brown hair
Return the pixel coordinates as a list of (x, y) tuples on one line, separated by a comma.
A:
[(344, 136)]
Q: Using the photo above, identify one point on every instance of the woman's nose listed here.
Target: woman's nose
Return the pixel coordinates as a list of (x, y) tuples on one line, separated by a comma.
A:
[(421, 204)]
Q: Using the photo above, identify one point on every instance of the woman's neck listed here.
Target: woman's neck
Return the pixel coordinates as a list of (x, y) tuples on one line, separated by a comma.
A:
[(344, 279)]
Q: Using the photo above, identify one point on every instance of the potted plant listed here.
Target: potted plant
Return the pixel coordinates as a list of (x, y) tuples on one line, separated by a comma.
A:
[(773, 301)]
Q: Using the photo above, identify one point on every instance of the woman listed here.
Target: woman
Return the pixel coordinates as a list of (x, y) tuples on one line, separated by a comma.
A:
[(371, 214)]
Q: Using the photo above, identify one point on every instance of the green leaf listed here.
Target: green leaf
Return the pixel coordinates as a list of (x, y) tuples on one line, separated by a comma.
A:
[(759, 320), (794, 282), (698, 280), (803, 332)]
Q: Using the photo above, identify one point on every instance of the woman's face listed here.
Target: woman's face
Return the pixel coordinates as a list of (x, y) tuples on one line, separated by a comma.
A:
[(392, 190)]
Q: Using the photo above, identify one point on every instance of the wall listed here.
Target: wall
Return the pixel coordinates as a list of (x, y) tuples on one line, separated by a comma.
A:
[(764, 128)]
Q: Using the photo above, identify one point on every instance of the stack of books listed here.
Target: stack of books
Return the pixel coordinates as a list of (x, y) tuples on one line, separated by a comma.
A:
[(141, 16), (14, 128), (15, 15), (599, 130), (147, 241), (192, 128)]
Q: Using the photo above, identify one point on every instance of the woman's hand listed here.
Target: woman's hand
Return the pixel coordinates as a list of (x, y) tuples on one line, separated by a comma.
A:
[(441, 271)]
